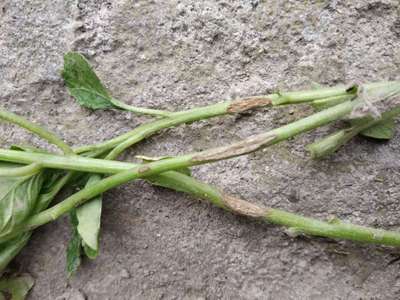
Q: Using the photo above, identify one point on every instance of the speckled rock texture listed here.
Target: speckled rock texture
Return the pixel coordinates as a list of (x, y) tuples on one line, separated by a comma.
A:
[(158, 244)]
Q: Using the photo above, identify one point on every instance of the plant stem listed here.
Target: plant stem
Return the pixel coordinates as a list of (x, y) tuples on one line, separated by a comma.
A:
[(174, 119), (296, 223), (330, 92), (28, 170), (140, 110), (32, 127), (334, 141)]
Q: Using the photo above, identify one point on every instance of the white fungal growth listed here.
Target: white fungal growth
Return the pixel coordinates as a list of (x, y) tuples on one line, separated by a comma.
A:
[(374, 102)]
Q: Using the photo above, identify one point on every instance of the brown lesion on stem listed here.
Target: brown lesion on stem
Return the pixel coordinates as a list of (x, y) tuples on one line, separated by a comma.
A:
[(246, 146), (143, 169), (241, 105), (242, 207)]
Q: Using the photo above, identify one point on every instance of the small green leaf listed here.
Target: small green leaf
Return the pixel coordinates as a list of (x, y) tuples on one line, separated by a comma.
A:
[(382, 131), (74, 247), (89, 220), (17, 287), (83, 83)]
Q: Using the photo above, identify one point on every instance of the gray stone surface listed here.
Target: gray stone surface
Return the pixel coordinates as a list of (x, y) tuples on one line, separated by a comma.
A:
[(157, 244)]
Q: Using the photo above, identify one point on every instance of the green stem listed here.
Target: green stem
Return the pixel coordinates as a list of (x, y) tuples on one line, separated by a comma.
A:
[(146, 130), (330, 101), (330, 92), (333, 142), (140, 110), (32, 127), (28, 170), (335, 229), (297, 224)]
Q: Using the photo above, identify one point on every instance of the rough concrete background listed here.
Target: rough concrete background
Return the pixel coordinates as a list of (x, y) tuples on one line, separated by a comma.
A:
[(157, 244)]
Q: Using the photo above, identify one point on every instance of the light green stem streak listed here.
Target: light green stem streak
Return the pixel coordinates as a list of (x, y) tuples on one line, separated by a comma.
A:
[(140, 110), (29, 170)]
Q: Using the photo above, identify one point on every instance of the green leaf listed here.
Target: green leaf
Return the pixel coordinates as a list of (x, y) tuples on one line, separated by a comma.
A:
[(89, 220), (18, 198), (83, 83), (17, 287), (52, 184), (21, 197), (382, 131), (74, 247)]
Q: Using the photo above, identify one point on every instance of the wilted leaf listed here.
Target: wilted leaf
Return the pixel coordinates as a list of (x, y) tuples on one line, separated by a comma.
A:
[(383, 131), (17, 287), (89, 220), (18, 197)]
